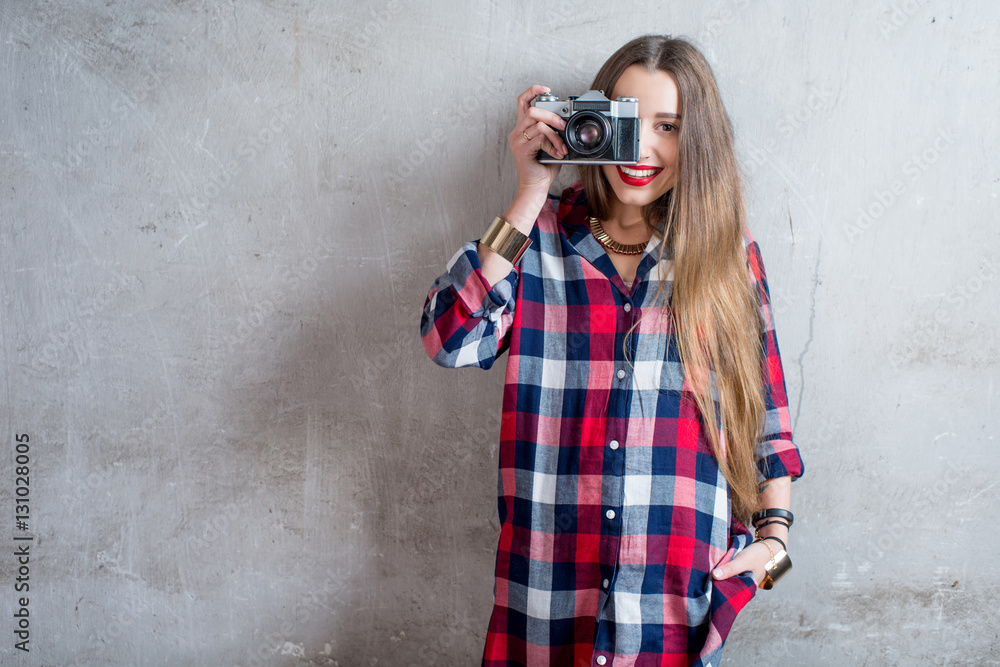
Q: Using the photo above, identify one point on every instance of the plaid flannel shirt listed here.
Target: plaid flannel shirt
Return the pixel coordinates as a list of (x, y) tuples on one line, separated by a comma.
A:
[(612, 508)]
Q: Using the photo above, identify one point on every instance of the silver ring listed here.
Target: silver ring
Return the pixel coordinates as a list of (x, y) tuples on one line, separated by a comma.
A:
[(525, 135)]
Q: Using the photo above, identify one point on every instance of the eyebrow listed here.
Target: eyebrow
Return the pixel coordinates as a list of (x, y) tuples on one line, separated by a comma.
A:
[(665, 114)]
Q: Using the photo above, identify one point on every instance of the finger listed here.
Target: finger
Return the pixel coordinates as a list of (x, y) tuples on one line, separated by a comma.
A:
[(521, 140), (524, 99), (548, 128), (722, 572), (551, 142), (552, 150), (536, 115), (730, 570), (536, 138), (744, 561)]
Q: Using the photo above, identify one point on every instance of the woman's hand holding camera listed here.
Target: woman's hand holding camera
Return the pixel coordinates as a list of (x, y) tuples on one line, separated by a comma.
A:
[(535, 131)]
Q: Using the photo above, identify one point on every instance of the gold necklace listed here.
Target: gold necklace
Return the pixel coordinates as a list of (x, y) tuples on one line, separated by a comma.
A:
[(612, 245)]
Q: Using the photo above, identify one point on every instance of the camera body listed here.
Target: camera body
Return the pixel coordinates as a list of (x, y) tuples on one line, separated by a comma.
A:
[(598, 130)]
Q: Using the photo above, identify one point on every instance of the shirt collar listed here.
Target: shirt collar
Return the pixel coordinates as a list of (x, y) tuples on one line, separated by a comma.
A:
[(574, 216)]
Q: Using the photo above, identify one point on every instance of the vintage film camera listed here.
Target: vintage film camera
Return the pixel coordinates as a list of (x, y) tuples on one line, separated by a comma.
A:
[(598, 131)]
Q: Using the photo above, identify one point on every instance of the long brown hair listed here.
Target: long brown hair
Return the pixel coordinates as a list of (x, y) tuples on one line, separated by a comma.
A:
[(715, 314)]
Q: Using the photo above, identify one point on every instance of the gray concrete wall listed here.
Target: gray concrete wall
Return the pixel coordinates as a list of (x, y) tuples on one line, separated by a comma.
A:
[(218, 223)]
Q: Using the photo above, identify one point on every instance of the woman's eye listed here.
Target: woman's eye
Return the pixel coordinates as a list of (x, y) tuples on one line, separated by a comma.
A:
[(667, 127)]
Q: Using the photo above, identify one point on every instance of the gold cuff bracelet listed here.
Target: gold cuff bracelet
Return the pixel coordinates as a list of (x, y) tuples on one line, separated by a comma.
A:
[(505, 240), (776, 568)]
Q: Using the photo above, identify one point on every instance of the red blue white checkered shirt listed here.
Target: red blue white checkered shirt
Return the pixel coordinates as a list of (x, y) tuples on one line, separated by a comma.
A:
[(613, 511)]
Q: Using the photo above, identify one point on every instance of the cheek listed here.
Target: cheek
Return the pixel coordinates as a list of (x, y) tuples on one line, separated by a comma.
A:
[(673, 152)]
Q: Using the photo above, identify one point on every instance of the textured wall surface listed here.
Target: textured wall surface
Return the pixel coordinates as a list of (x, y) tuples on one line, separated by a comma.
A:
[(218, 223)]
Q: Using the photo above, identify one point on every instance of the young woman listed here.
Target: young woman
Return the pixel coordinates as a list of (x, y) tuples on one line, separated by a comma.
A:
[(645, 423)]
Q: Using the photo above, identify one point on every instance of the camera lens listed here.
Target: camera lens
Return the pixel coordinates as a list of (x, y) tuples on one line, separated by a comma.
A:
[(588, 133)]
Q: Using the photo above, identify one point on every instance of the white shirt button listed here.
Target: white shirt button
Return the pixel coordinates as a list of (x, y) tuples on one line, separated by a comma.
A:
[(605, 583), (614, 444), (628, 307), (621, 374), (610, 514), (601, 660)]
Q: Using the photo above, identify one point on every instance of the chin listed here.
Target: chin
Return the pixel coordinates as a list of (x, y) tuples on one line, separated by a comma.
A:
[(639, 196)]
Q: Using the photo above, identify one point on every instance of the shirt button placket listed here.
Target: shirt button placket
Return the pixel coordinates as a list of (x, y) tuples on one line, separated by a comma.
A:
[(609, 513)]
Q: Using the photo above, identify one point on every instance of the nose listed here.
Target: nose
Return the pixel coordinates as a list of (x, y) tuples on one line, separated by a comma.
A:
[(645, 140)]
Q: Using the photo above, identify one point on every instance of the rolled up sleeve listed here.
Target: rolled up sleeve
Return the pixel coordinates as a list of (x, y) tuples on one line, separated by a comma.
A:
[(777, 454), (465, 319)]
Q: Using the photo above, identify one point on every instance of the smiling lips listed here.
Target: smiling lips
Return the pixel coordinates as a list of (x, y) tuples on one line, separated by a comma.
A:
[(638, 175)]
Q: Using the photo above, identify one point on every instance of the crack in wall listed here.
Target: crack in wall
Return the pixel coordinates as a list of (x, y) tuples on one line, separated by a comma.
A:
[(809, 339)]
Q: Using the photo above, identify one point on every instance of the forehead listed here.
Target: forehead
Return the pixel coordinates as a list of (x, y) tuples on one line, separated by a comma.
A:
[(656, 91)]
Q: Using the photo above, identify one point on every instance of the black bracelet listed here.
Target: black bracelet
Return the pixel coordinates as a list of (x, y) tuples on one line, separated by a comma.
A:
[(768, 523), (776, 539), (774, 513)]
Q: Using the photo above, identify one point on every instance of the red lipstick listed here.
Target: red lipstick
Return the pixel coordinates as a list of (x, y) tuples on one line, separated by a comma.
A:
[(634, 178)]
